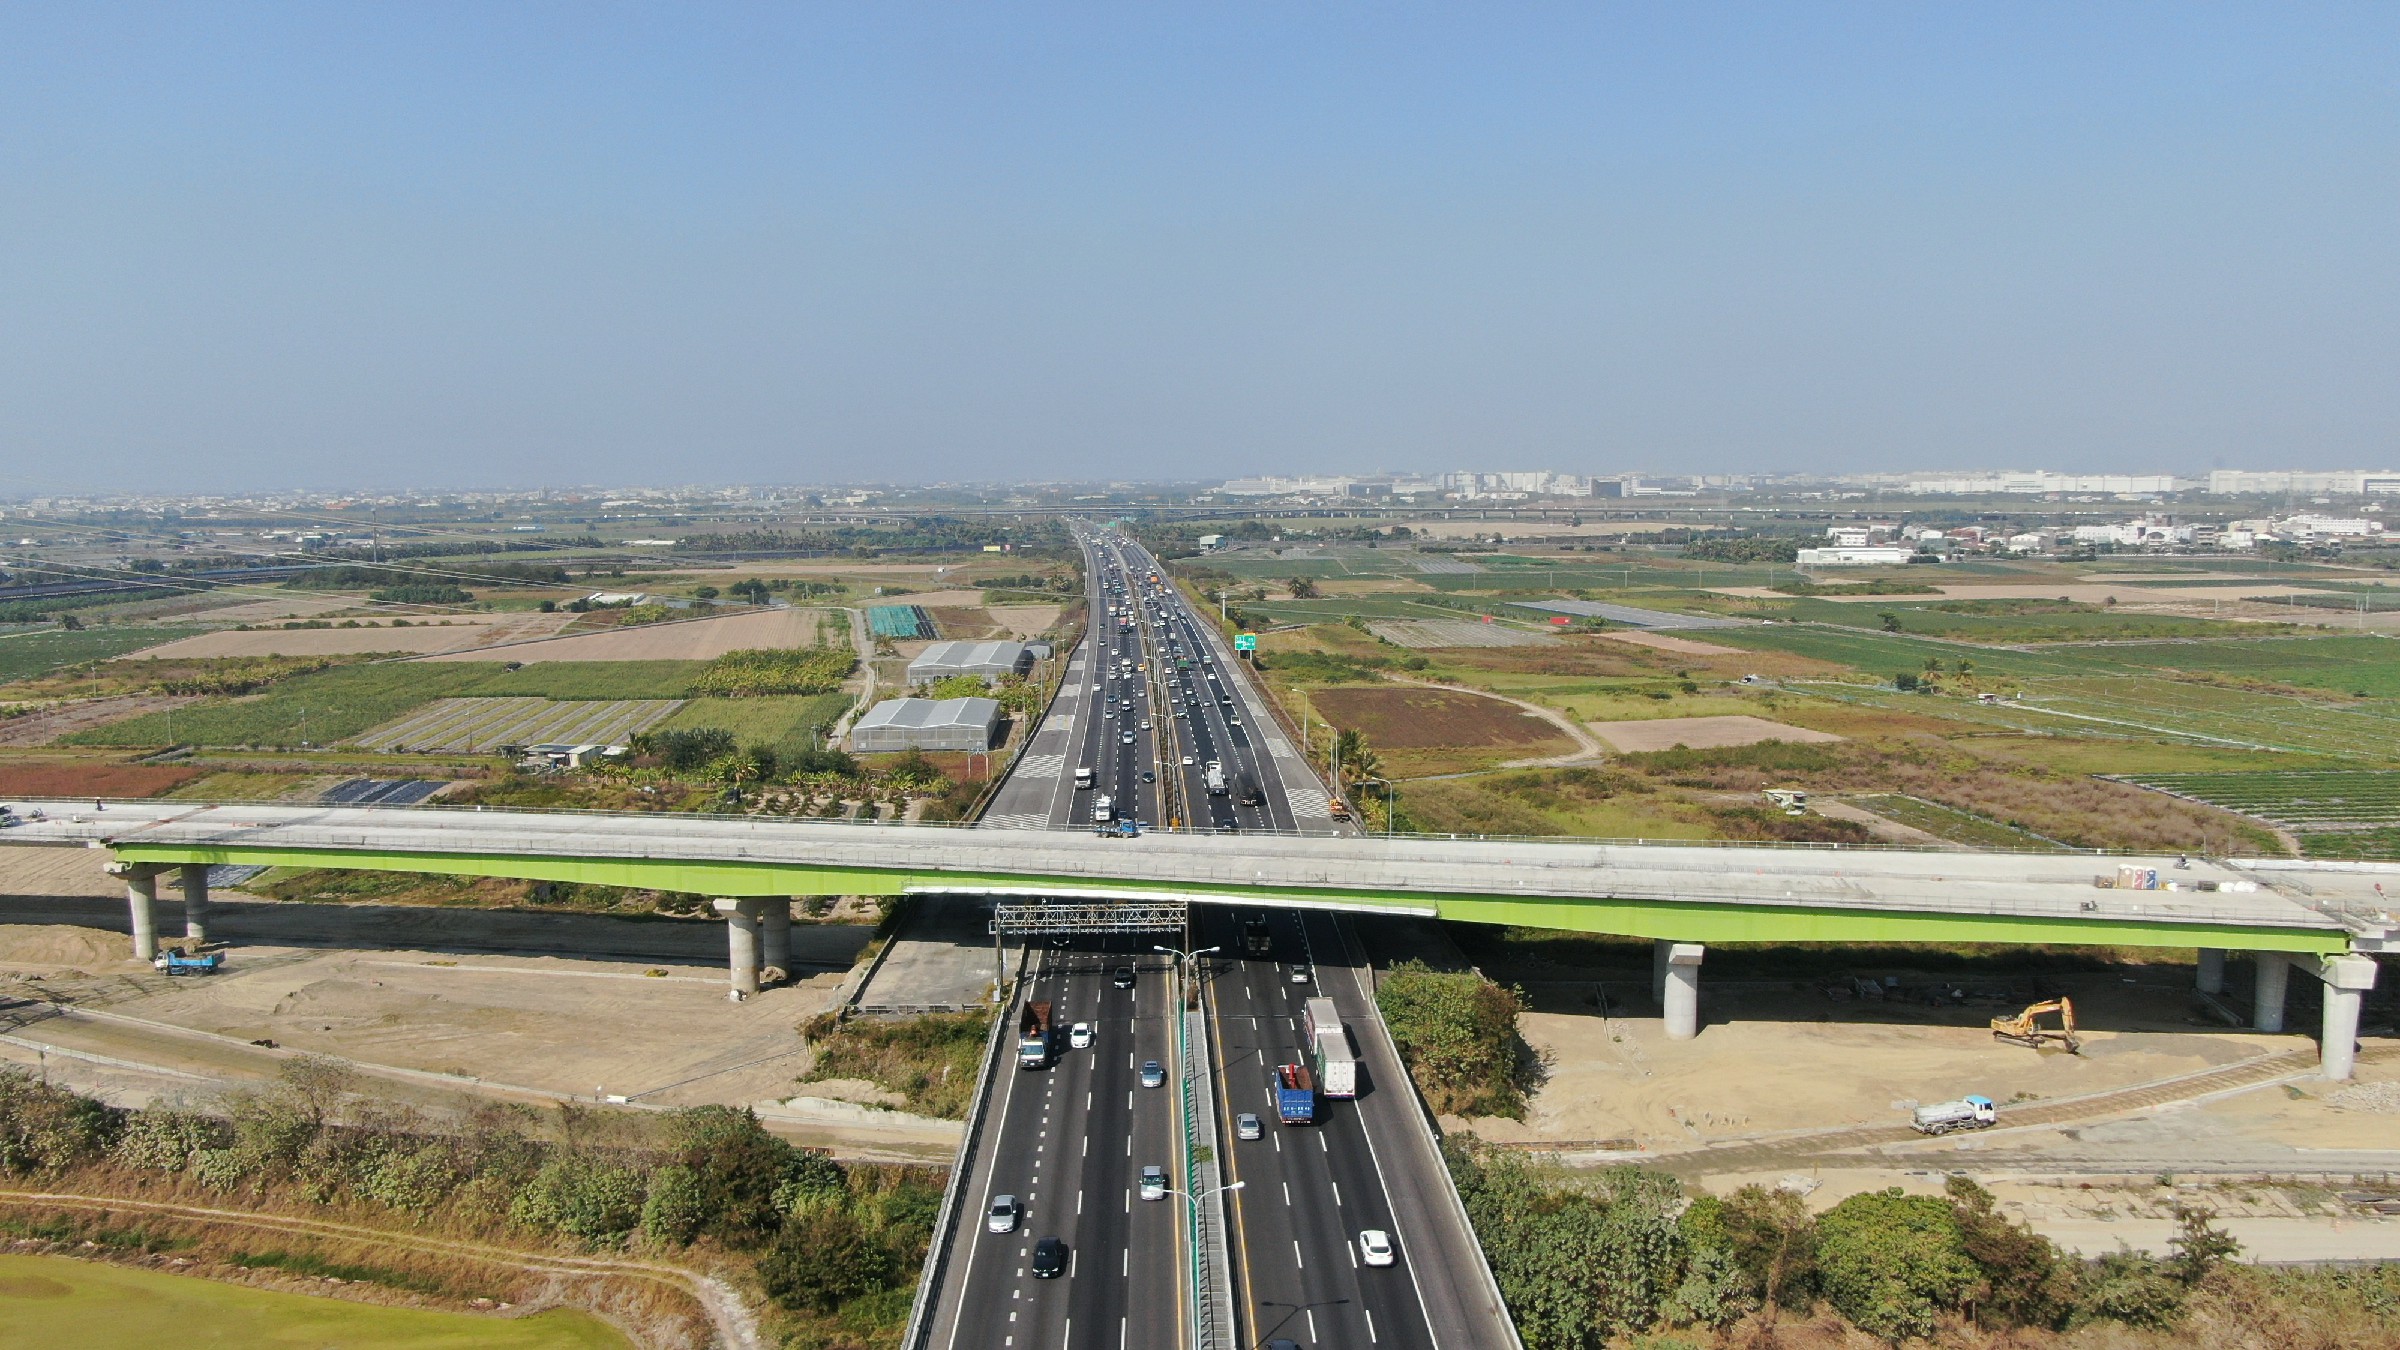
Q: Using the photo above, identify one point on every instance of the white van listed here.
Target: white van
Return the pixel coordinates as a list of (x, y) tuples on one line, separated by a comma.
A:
[(1104, 809), (1083, 779)]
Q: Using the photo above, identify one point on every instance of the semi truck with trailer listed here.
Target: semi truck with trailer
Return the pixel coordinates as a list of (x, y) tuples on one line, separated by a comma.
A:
[(1034, 1030), (1329, 1048), (1215, 774)]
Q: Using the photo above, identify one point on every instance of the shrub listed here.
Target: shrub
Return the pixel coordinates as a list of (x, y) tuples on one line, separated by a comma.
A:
[(164, 1139), (1770, 1236), (49, 1129), (411, 1179), (821, 1260), (674, 1210), (759, 671), (734, 1168), (1458, 1034), (581, 1196), (1892, 1262)]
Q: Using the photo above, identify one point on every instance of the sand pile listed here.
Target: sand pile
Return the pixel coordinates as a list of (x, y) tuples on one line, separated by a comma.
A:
[(59, 944)]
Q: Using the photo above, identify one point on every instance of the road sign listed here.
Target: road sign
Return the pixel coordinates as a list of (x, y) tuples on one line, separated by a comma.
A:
[(1245, 642)]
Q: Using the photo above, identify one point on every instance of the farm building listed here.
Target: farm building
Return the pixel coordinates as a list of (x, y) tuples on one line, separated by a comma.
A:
[(991, 660), (926, 724)]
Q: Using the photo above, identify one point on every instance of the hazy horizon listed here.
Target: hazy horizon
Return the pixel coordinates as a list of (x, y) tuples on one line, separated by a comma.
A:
[(247, 246)]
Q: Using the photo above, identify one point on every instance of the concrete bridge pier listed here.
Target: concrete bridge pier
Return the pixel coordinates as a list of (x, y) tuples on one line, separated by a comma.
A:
[(741, 941), (2210, 978), (195, 905), (2347, 980), (141, 897), (775, 940), (2266, 1006), (1682, 1001)]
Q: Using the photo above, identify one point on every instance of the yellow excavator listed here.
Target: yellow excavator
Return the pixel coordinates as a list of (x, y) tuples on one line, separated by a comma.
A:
[(2026, 1028)]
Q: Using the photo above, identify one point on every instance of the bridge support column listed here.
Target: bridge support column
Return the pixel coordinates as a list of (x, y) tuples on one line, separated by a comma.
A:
[(741, 944), (2266, 1007), (1659, 947), (775, 939), (141, 896), (2347, 980), (1682, 1000), (2210, 978), (195, 905)]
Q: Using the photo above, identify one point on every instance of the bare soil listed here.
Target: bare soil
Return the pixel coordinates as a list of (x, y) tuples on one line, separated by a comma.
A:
[(461, 633), (692, 640), (1701, 733), (91, 778), (1421, 718), (44, 727)]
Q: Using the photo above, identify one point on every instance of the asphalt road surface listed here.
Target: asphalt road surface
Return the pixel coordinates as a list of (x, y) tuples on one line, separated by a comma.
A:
[(1069, 1142)]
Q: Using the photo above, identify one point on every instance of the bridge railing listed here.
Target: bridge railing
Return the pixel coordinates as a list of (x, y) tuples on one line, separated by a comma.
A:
[(809, 822)]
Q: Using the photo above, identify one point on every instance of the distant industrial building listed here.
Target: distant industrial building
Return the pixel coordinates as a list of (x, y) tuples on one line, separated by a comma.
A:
[(987, 660), (1853, 557), (965, 724), (2334, 483)]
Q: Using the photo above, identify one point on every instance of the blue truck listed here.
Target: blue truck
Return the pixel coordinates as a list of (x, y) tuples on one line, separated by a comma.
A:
[(176, 961), (1295, 1095)]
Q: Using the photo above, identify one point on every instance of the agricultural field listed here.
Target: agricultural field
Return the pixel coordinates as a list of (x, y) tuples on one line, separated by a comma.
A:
[(2295, 800), (783, 722), (322, 709), (481, 725), (90, 778), (1427, 634), (1417, 731), (1948, 822), (57, 1300), (31, 652), (703, 639)]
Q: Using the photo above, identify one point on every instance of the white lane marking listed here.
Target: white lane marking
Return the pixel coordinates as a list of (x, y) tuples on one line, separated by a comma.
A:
[(1079, 1200), (1302, 1262), (1287, 1193), (1353, 1253), (1337, 1195), (1125, 1265), (1370, 1315), (1312, 1324)]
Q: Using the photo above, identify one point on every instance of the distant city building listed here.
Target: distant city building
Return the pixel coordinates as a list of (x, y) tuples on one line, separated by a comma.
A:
[(2137, 534), (985, 660), (2035, 483), (2331, 483), (958, 724)]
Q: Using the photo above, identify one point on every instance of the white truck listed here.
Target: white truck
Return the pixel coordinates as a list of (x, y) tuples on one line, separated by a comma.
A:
[(1083, 778), (1967, 1113), (1215, 774), (1104, 809)]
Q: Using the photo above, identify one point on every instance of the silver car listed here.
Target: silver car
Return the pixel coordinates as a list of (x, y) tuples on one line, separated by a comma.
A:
[(1003, 1215), (1247, 1126)]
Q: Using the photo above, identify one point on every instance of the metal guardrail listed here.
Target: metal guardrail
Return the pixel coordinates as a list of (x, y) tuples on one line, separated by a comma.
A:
[(962, 1169)]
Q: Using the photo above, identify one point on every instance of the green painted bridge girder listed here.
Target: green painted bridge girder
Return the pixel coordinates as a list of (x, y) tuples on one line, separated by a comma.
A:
[(1701, 921)]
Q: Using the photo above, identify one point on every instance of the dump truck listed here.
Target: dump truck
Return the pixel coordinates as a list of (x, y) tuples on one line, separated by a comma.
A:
[(1967, 1113), (177, 961), (1034, 1030), (1329, 1048), (1295, 1094), (1257, 938)]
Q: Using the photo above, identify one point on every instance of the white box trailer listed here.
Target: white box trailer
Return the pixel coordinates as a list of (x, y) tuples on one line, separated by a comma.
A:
[(1329, 1048)]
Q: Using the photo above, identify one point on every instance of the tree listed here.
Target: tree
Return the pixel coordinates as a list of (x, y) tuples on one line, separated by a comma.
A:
[(1906, 682), (2026, 1281), (2199, 1245), (1770, 1236), (1302, 588), (1891, 622), (705, 592), (1355, 758), (1892, 1262)]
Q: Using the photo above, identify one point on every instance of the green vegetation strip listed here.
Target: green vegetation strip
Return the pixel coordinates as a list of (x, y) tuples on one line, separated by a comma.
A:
[(33, 652), (55, 1300), (2297, 799)]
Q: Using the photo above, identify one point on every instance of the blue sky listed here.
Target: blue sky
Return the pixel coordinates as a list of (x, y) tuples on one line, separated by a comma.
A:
[(253, 246)]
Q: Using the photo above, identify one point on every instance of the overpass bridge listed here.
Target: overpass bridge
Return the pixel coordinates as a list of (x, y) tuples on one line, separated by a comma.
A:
[(2326, 919)]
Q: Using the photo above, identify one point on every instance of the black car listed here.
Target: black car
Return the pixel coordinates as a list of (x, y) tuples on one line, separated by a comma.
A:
[(1049, 1259), (1123, 979)]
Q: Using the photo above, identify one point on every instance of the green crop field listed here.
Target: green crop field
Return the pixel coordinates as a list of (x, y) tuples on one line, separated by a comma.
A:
[(55, 1300), (2298, 800), (319, 709), (782, 721), (31, 652)]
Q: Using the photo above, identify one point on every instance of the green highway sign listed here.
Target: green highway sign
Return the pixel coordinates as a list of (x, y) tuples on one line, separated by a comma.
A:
[(1245, 642)]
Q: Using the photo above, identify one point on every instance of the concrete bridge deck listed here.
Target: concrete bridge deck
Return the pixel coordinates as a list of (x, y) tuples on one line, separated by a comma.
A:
[(1689, 892)]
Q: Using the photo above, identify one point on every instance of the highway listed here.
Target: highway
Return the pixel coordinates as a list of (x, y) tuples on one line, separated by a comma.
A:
[(1069, 1141)]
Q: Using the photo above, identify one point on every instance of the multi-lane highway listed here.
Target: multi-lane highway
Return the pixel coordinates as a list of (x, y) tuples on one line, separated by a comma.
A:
[(1069, 1142), (1158, 722)]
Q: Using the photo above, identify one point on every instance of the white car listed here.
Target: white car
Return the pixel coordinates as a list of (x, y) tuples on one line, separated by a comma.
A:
[(1375, 1247), (1187, 761), (1079, 1036), (1002, 1217)]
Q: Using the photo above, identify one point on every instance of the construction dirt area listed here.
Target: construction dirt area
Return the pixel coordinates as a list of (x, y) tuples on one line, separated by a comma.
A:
[(1701, 733), (437, 1007), (685, 640), (1800, 1082)]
